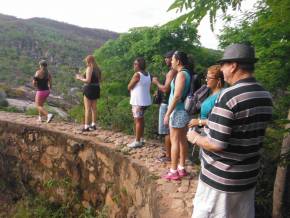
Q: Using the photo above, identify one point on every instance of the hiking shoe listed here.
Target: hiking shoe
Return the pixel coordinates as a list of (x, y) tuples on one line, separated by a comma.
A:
[(49, 117), (85, 129), (135, 144), (171, 176), (182, 173), (93, 127)]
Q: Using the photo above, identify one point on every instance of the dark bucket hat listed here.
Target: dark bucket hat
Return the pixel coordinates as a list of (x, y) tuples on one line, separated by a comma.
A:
[(241, 53)]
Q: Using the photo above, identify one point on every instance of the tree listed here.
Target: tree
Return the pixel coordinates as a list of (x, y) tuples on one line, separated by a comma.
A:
[(197, 9)]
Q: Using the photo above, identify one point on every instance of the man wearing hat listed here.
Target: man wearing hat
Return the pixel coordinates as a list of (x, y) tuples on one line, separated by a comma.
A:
[(165, 89), (231, 148)]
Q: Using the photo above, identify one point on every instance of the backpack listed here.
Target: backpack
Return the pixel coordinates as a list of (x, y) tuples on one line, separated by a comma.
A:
[(193, 101)]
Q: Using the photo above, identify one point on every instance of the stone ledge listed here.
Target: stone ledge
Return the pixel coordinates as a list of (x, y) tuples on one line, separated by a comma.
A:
[(131, 178)]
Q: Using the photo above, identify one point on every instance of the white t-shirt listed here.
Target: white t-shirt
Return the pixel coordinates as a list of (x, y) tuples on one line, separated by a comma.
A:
[(140, 94)]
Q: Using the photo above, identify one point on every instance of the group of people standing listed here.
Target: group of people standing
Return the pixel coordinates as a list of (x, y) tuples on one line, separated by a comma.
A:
[(173, 119), (232, 121)]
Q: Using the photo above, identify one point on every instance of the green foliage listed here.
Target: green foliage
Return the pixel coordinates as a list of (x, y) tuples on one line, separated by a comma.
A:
[(116, 57), (268, 30), (196, 10), (88, 213), (103, 213), (31, 111), (35, 206)]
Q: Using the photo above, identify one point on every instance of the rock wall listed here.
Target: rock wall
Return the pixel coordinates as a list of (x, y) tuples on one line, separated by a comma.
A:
[(71, 169)]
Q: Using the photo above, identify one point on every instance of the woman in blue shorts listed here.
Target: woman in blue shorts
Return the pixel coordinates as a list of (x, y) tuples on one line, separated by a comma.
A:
[(177, 117)]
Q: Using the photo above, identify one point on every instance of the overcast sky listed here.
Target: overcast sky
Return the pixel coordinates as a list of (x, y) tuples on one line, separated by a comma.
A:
[(115, 15)]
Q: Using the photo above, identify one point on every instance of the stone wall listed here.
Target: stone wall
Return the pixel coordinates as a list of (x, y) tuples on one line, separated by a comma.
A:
[(69, 168)]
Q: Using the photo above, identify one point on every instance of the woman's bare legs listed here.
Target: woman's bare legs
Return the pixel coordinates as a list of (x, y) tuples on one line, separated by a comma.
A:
[(87, 104), (175, 142), (39, 105), (94, 110), (183, 146)]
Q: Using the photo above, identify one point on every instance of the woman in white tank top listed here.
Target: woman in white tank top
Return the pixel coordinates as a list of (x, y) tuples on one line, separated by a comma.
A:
[(139, 88)]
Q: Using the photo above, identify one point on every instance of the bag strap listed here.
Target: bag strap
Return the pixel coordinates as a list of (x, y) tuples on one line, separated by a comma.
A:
[(189, 90)]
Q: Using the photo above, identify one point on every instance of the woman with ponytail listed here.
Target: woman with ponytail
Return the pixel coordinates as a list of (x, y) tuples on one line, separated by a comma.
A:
[(42, 81)]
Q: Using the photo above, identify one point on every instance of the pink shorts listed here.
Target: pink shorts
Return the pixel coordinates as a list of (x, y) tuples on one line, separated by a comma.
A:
[(42, 95)]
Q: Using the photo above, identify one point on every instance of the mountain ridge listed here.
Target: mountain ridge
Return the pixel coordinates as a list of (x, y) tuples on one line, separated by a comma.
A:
[(23, 42)]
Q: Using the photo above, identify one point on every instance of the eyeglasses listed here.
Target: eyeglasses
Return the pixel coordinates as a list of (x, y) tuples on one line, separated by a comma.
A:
[(208, 78)]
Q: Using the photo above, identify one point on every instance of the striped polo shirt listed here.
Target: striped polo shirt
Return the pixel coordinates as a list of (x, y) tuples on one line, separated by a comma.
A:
[(237, 123)]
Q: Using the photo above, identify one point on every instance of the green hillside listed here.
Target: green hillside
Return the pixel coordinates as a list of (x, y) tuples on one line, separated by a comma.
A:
[(24, 42)]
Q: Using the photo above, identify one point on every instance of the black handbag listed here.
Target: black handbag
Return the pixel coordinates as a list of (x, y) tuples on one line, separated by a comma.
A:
[(157, 97)]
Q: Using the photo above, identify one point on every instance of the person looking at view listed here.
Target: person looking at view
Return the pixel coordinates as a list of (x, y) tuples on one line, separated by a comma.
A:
[(177, 117), (91, 91), (165, 89), (140, 99), (231, 150), (42, 81), (215, 81)]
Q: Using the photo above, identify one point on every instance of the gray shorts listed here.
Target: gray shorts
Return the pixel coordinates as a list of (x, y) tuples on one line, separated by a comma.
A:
[(162, 129), (178, 119)]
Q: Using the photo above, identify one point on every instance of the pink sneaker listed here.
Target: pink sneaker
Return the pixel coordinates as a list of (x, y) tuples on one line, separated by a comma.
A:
[(171, 176), (182, 173)]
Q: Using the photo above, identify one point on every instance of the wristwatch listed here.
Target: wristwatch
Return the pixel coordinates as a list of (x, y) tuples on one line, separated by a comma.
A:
[(199, 123)]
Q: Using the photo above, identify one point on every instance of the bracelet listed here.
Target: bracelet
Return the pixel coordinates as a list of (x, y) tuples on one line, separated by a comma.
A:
[(199, 123), (195, 139)]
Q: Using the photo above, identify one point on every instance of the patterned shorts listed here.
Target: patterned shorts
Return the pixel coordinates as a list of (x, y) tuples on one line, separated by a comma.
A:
[(138, 111), (162, 129), (178, 119)]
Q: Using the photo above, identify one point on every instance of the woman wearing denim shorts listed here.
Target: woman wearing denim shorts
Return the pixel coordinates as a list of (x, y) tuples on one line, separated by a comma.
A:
[(177, 117)]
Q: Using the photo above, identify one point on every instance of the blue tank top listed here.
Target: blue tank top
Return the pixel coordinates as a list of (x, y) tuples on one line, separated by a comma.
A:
[(207, 105), (180, 104)]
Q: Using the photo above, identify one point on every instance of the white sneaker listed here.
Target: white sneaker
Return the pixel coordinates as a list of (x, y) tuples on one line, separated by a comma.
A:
[(49, 117), (135, 144), (39, 119)]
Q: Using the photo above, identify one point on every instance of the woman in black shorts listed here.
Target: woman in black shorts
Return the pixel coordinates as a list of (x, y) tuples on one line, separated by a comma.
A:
[(91, 91)]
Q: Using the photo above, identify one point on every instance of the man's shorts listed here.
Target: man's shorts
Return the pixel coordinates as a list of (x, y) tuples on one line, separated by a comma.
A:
[(162, 129), (209, 202), (138, 111), (178, 119)]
